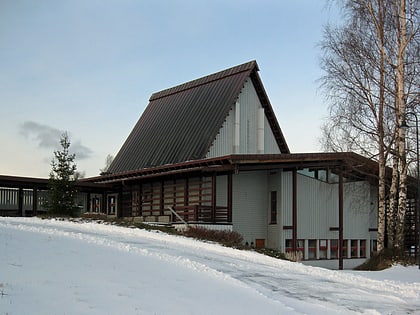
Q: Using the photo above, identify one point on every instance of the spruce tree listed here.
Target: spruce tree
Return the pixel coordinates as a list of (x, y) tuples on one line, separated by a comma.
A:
[(62, 188)]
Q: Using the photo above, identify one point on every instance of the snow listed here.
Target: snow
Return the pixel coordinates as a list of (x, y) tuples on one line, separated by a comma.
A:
[(61, 267)]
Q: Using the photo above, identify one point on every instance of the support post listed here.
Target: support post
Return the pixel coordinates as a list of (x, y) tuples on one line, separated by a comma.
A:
[(213, 198), (340, 220), (34, 201), (229, 197), (20, 202)]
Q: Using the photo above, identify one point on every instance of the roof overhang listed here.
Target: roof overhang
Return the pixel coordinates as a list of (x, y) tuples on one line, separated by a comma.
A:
[(351, 165)]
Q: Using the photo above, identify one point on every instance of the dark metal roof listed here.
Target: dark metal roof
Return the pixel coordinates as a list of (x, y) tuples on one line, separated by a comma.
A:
[(181, 123)]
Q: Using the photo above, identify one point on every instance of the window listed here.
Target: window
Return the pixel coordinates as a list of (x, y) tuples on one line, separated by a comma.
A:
[(112, 204), (95, 203), (353, 249), (344, 249), (311, 249), (273, 207), (322, 249), (333, 249), (289, 245), (362, 248)]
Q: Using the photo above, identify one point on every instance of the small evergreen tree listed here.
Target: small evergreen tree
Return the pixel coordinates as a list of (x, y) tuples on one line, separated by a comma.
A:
[(62, 188)]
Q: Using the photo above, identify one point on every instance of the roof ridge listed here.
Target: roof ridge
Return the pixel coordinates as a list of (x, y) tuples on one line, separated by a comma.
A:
[(206, 79)]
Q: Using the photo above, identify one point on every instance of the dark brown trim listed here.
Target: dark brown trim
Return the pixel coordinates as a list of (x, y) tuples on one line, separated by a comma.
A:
[(229, 197), (334, 228), (34, 201), (20, 201), (373, 229), (287, 227), (186, 191), (213, 197), (161, 200), (340, 219)]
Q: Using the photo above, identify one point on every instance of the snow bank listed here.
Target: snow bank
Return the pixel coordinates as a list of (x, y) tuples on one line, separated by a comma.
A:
[(59, 267)]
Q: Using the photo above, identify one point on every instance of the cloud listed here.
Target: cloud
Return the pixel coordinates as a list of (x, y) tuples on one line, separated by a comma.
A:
[(47, 137), (80, 150)]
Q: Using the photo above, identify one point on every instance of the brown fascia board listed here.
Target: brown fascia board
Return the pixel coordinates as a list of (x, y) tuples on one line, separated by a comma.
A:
[(22, 182), (188, 166), (40, 183), (345, 161)]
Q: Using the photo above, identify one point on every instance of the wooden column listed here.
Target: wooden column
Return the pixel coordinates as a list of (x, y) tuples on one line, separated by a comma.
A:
[(87, 205), (162, 199), (340, 219), (20, 202), (213, 198), (104, 206), (34, 201), (229, 197)]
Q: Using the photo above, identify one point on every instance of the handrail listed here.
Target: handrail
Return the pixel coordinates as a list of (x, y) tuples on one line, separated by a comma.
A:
[(177, 215)]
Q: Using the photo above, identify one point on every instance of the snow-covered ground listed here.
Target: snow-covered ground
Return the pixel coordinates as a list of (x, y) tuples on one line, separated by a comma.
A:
[(56, 267)]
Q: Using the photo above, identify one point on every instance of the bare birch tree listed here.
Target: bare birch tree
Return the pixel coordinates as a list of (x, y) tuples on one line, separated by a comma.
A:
[(366, 62)]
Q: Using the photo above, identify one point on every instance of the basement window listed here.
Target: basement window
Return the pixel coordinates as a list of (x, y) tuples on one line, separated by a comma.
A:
[(323, 249), (353, 249), (344, 249), (289, 245), (311, 249), (333, 249), (362, 248)]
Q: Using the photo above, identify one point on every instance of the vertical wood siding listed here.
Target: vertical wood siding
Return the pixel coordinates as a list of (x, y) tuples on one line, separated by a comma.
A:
[(318, 209), (286, 199), (250, 204), (248, 142)]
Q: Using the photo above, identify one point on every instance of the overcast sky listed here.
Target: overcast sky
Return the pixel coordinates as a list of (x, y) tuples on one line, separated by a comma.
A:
[(89, 67)]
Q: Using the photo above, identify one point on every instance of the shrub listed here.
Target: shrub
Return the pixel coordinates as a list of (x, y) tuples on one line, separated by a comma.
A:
[(226, 238), (294, 256)]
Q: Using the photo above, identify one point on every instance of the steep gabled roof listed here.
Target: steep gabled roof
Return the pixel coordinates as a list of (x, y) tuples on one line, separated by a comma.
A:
[(180, 123)]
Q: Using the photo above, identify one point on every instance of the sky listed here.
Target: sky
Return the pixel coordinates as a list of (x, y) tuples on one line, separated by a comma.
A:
[(89, 67)]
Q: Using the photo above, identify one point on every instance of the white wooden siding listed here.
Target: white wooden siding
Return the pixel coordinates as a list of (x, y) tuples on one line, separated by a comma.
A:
[(356, 210), (248, 128), (250, 204), (287, 198), (270, 143), (317, 208)]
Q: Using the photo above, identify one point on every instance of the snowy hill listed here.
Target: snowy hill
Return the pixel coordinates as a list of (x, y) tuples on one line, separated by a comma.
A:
[(55, 267)]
